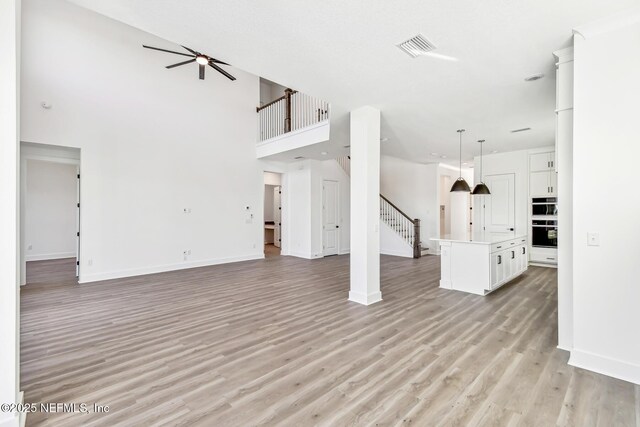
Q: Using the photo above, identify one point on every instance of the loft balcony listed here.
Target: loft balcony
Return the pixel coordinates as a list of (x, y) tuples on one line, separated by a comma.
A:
[(294, 120)]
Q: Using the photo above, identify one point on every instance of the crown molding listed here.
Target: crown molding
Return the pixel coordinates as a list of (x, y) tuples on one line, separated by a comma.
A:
[(623, 19)]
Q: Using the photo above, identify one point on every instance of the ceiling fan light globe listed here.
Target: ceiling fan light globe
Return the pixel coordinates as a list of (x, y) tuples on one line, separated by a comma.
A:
[(202, 60)]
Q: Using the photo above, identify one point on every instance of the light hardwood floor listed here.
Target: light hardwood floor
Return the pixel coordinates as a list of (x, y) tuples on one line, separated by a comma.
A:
[(275, 342)]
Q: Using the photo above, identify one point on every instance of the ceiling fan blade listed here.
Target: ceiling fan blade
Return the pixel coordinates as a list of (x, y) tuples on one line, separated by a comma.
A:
[(217, 61), (201, 71), (191, 50), (165, 50), (181, 63), (220, 70)]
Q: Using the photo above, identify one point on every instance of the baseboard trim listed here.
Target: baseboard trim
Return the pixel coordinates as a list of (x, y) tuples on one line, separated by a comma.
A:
[(365, 299), (45, 257), (96, 277), (22, 416), (605, 365), (397, 253), (542, 264), (300, 255), (15, 419)]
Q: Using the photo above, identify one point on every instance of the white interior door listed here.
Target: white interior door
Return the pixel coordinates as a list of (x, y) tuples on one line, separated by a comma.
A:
[(500, 206), (330, 218), (277, 216)]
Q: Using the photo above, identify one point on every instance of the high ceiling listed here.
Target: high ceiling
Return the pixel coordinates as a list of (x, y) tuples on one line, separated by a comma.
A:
[(345, 52)]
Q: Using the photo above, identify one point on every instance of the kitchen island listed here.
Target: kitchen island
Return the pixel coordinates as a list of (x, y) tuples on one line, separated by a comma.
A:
[(480, 263)]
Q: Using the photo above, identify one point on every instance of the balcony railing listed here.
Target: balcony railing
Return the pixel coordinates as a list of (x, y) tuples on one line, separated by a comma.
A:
[(291, 112)]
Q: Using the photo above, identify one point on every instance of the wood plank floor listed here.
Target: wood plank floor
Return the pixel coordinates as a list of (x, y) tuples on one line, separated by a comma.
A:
[(275, 342)]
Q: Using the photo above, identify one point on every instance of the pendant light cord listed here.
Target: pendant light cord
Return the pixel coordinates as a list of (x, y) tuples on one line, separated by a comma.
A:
[(460, 170), (481, 161)]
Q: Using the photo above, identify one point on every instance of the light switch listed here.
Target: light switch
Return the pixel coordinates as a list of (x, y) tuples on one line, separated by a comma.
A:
[(593, 239)]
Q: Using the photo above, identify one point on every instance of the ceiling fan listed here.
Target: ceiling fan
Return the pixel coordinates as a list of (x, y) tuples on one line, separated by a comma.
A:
[(198, 57)]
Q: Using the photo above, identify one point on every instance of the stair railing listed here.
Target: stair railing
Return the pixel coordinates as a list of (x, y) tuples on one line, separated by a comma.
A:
[(394, 217), (292, 111)]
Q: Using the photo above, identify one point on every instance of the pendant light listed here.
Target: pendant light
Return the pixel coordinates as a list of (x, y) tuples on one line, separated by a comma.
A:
[(481, 188), (460, 184)]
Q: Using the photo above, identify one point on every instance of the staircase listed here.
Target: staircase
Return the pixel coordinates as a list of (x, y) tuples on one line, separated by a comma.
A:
[(400, 223)]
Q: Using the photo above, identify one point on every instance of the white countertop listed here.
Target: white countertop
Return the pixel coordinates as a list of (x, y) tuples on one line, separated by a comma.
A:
[(480, 238)]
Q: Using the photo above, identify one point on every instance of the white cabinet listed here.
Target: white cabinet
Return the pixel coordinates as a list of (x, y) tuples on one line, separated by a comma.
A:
[(508, 262), (542, 175), (497, 269), (541, 161), (481, 262)]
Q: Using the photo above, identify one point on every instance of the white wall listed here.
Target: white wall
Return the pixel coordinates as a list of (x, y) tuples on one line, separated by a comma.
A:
[(9, 219), (415, 188), (272, 178), (564, 168), (409, 186), (154, 142), (517, 163), (302, 188), (296, 234), (606, 293), (270, 91), (51, 212)]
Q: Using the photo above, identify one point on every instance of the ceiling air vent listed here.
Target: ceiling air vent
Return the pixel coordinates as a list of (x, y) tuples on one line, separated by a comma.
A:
[(520, 130), (416, 46), (298, 157)]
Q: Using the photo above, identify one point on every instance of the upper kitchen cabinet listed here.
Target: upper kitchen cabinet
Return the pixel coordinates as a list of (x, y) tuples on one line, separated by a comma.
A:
[(539, 162), (542, 175)]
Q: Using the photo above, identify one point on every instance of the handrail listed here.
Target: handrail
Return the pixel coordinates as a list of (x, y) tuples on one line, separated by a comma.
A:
[(410, 233), (268, 104), (399, 210)]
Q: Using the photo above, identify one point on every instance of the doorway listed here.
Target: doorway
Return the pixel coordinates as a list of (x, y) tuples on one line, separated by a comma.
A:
[(445, 205), (330, 217), (272, 214), (50, 213)]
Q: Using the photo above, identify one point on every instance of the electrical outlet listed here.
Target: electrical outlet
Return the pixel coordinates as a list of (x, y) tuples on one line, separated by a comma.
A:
[(186, 253), (30, 247), (593, 239), (186, 210)]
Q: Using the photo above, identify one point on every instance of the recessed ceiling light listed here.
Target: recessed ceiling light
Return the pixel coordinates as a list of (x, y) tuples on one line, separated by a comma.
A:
[(520, 130), (324, 153), (443, 157), (465, 163), (434, 154), (534, 77), (494, 151), (384, 139)]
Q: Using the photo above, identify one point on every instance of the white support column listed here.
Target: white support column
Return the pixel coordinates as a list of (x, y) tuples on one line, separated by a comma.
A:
[(365, 206), (9, 247), (564, 168)]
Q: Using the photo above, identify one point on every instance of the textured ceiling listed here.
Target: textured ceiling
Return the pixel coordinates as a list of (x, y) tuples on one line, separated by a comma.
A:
[(344, 52)]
